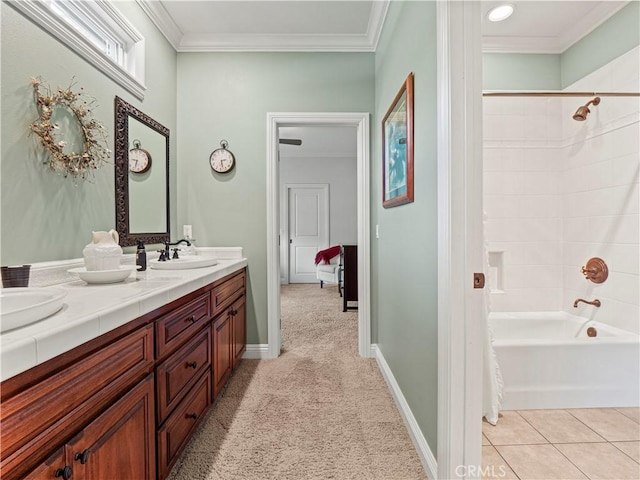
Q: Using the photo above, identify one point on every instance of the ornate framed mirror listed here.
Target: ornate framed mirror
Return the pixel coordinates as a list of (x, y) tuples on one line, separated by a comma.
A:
[(141, 176)]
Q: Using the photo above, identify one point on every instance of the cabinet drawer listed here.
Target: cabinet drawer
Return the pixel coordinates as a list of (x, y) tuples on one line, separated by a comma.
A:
[(181, 370), (39, 417), (175, 433), (174, 328), (223, 295)]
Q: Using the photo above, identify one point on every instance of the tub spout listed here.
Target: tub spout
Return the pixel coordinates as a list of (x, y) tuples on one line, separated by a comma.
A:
[(595, 303)]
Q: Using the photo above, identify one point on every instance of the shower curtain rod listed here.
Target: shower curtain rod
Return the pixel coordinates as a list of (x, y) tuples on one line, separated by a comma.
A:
[(496, 93)]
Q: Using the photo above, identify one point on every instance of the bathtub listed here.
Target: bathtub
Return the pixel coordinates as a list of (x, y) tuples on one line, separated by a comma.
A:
[(545, 365)]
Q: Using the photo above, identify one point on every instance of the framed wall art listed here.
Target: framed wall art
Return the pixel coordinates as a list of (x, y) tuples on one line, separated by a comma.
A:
[(397, 148)]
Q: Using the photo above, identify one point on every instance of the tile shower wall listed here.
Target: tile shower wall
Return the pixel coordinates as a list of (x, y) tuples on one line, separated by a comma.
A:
[(558, 192), (523, 202), (600, 199)]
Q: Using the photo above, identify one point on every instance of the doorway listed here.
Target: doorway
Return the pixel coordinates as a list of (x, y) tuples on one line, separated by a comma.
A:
[(361, 122)]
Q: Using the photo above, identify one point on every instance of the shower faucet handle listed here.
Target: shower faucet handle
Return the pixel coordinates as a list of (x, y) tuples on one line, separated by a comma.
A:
[(595, 270)]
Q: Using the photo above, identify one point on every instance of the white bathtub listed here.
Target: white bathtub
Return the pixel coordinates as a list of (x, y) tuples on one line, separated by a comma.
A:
[(544, 364)]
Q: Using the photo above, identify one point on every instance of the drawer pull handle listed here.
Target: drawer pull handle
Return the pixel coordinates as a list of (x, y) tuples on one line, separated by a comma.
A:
[(193, 365), (233, 312), (192, 319), (83, 457), (192, 416), (65, 472)]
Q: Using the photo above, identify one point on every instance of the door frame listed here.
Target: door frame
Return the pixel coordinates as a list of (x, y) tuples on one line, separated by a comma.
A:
[(285, 234), (461, 320), (349, 119)]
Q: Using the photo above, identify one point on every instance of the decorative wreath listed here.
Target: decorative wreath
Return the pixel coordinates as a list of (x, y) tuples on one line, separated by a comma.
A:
[(94, 154)]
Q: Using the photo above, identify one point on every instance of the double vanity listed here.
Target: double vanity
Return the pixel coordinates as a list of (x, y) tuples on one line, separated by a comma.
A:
[(113, 385)]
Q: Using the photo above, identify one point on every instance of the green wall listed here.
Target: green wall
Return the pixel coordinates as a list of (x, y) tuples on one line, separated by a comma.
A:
[(404, 258), (45, 216), (616, 36), (522, 71), (227, 96)]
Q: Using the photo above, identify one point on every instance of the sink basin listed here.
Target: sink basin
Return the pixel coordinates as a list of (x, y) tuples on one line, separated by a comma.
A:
[(22, 306), (184, 263)]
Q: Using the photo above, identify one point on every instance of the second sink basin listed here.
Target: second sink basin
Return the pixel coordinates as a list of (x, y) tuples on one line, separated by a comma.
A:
[(184, 263), (20, 307)]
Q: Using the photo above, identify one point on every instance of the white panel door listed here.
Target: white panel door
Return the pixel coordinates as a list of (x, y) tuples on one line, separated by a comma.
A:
[(308, 230)]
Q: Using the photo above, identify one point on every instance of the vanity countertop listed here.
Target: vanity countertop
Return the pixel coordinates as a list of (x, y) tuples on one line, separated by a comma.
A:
[(92, 310)]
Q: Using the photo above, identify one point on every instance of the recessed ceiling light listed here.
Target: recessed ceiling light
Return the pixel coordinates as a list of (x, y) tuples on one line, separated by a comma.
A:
[(500, 13)]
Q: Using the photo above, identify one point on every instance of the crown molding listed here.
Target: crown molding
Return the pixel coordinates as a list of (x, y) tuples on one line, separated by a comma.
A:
[(498, 44), (555, 44), (274, 43), (204, 42), (163, 21), (379, 11)]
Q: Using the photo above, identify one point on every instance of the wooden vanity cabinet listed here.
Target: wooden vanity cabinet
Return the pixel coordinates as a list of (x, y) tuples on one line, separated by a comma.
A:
[(229, 328), (183, 379), (117, 444), (124, 405), (52, 467), (239, 328), (38, 419), (174, 434), (222, 362)]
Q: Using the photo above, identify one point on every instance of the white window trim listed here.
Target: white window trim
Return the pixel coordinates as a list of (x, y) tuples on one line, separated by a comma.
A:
[(130, 78)]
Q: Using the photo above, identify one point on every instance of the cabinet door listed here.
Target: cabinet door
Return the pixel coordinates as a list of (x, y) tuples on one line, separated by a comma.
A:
[(239, 331), (53, 467), (120, 443), (222, 352)]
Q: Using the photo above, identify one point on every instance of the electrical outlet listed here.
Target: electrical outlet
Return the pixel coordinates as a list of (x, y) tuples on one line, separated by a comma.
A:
[(377, 231), (187, 231)]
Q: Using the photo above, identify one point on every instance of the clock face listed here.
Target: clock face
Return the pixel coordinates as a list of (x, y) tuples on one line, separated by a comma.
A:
[(139, 160), (222, 160)]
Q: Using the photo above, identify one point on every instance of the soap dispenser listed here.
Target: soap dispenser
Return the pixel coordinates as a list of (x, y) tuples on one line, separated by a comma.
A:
[(141, 257)]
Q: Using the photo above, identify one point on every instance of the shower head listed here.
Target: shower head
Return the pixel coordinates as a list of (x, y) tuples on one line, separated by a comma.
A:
[(583, 111)]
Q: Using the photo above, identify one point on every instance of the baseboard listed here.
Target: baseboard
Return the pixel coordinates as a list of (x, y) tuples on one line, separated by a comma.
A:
[(427, 458), (256, 351)]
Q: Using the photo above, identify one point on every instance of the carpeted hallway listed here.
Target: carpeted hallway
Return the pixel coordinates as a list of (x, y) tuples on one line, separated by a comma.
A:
[(317, 412)]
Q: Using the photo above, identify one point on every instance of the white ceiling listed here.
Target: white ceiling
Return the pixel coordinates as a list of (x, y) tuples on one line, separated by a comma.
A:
[(269, 25), (537, 26), (319, 142)]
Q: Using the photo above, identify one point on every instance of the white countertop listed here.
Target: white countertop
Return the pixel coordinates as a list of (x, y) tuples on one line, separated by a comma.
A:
[(92, 310)]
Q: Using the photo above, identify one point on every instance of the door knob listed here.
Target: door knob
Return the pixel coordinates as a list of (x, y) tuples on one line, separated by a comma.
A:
[(478, 280)]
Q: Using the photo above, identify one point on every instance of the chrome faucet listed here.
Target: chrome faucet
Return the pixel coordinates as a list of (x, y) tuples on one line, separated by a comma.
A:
[(595, 303), (167, 244)]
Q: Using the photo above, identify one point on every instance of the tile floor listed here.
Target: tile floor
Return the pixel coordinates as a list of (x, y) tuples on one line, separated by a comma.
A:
[(585, 443)]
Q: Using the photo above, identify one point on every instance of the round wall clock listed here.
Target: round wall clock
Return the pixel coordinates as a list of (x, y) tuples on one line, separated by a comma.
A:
[(221, 159), (139, 158)]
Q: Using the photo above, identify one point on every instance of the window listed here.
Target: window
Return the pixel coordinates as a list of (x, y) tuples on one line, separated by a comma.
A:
[(97, 32)]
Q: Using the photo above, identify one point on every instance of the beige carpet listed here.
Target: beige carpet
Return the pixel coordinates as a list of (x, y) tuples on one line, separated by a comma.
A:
[(317, 412)]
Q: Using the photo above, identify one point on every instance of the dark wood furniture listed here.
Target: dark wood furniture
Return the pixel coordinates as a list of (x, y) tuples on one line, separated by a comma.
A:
[(349, 277), (100, 410)]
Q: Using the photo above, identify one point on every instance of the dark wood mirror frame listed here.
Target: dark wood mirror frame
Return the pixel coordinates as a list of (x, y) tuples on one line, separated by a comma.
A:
[(123, 111)]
